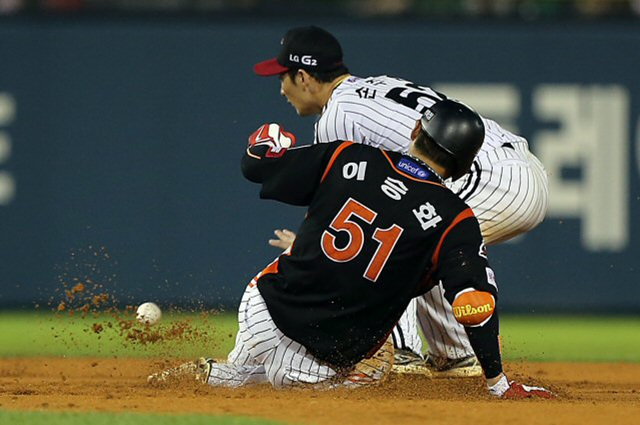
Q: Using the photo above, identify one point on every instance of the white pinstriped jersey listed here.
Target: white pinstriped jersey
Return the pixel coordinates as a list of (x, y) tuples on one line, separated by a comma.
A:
[(382, 111), (506, 186)]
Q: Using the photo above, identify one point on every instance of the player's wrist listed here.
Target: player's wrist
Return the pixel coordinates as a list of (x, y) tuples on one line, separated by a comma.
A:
[(498, 385)]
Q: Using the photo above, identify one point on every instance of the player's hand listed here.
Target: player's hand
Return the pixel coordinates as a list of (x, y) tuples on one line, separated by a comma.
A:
[(511, 390), (273, 136), (285, 239), (518, 391)]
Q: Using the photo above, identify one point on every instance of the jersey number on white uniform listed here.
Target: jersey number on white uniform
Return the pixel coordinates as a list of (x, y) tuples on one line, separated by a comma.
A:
[(409, 94), (386, 238)]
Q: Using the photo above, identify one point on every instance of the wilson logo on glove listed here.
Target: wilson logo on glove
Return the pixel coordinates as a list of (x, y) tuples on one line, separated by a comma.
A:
[(274, 137)]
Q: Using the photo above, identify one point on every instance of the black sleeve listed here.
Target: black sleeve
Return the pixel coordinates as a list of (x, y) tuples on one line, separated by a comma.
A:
[(463, 261), (486, 344), (291, 175), (464, 264)]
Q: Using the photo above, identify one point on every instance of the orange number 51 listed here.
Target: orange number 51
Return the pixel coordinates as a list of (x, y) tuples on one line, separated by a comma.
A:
[(386, 238)]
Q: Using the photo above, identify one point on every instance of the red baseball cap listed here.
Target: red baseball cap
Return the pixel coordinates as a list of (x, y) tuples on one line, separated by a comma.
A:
[(311, 48)]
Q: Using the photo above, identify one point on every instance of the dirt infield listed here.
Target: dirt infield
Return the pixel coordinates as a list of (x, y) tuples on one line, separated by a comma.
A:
[(588, 394)]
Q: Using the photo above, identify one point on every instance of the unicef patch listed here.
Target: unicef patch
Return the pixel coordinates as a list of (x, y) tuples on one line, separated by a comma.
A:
[(410, 167)]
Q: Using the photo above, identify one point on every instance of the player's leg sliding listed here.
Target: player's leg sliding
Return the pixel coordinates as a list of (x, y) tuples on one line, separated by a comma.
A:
[(292, 366), (208, 371), (186, 370), (288, 365), (263, 354), (368, 372), (231, 375), (302, 371)]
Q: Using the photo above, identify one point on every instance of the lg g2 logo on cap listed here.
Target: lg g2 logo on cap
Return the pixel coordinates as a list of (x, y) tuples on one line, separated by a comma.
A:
[(304, 60)]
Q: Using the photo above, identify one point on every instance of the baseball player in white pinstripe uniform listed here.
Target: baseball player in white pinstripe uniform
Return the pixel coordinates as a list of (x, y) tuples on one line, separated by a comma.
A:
[(506, 186)]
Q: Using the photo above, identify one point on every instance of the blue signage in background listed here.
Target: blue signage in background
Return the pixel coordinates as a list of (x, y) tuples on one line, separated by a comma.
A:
[(120, 145)]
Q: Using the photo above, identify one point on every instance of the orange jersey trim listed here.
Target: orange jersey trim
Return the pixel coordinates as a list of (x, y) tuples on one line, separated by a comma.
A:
[(271, 267), (335, 155), (462, 216), (405, 174)]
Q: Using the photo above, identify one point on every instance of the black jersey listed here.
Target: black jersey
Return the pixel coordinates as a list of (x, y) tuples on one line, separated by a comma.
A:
[(379, 225)]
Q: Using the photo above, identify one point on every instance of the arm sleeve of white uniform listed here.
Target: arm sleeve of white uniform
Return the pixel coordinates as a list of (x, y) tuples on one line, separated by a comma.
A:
[(336, 124), (496, 135)]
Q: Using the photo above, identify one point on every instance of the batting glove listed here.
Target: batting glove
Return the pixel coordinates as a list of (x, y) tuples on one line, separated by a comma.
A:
[(511, 390), (274, 137)]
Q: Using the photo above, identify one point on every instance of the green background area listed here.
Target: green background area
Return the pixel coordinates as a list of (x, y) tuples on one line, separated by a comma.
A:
[(535, 338), (42, 418)]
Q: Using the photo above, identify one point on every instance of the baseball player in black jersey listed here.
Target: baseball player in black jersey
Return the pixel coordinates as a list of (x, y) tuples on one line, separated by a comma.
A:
[(506, 186), (380, 229)]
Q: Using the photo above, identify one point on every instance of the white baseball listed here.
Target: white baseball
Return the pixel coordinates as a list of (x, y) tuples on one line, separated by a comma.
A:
[(148, 313)]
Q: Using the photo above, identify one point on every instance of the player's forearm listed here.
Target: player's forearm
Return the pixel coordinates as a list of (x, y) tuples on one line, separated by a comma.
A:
[(486, 346), (289, 176), (254, 165)]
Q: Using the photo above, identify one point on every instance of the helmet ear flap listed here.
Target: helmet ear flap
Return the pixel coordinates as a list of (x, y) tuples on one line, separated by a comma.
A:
[(457, 129)]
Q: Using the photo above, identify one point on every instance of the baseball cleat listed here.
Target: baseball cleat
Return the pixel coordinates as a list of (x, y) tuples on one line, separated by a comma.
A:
[(466, 367), (203, 369), (405, 357), (406, 361), (411, 363), (198, 369)]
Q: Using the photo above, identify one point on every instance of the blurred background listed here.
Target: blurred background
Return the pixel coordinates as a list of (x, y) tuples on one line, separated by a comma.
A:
[(534, 10), (122, 124)]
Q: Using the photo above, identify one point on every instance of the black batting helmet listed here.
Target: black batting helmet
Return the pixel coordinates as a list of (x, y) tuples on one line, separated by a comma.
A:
[(457, 129)]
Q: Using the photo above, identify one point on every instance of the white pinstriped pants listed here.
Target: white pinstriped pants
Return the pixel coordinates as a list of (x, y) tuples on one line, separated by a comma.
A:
[(264, 354), (508, 192)]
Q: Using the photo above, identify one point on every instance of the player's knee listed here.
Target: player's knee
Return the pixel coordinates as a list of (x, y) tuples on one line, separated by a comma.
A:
[(473, 308)]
